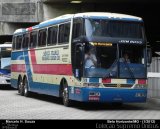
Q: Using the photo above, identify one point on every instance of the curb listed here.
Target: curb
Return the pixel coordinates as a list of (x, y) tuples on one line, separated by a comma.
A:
[(154, 100)]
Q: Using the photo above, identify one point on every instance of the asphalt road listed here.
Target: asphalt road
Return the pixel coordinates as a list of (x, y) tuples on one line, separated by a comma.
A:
[(14, 106)]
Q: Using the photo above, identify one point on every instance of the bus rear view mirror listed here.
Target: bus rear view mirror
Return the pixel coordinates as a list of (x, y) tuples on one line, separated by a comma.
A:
[(149, 56), (81, 39)]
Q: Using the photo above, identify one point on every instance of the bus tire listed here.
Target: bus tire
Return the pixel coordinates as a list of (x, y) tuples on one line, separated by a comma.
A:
[(25, 84), (20, 86), (65, 95)]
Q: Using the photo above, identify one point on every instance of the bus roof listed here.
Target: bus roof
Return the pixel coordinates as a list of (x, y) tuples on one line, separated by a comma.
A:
[(67, 17), (112, 16), (19, 31)]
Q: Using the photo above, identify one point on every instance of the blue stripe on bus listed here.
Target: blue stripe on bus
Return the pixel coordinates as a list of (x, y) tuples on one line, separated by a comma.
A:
[(17, 55), (114, 18), (130, 81), (110, 95), (131, 19), (41, 88), (82, 94), (44, 88), (53, 22), (94, 80), (14, 83), (49, 23), (99, 17), (28, 68)]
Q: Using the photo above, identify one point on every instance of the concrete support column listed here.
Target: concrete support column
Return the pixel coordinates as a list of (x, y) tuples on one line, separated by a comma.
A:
[(20, 10), (52, 10)]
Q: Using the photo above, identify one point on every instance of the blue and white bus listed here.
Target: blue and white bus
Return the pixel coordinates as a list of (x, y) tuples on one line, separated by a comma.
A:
[(50, 58), (5, 63)]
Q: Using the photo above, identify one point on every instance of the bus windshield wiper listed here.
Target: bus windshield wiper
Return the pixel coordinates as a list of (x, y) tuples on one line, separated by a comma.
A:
[(110, 69)]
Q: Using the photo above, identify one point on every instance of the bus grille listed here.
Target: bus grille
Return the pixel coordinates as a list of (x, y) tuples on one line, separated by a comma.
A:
[(118, 85), (8, 81)]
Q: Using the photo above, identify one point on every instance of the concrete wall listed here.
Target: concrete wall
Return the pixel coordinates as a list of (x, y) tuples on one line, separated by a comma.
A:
[(16, 14), (20, 10), (154, 78), (7, 28), (52, 10)]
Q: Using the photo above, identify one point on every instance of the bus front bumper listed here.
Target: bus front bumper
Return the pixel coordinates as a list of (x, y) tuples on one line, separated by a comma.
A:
[(122, 95)]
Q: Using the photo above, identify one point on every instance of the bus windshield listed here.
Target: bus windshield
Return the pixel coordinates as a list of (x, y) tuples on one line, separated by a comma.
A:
[(113, 28), (101, 61), (131, 61), (5, 55), (107, 62)]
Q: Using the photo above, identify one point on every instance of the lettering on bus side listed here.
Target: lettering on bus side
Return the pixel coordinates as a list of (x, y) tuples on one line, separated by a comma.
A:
[(51, 55), (65, 57)]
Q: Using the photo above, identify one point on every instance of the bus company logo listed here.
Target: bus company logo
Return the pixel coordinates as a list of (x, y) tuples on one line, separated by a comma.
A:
[(119, 85), (137, 42), (123, 41), (130, 41)]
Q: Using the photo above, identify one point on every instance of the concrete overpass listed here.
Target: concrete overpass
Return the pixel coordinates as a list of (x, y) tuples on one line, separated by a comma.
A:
[(24, 13)]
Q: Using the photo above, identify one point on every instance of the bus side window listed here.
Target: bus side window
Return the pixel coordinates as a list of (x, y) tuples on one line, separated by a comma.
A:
[(52, 35), (14, 43), (18, 42), (64, 31), (77, 28), (25, 41), (33, 39), (42, 38)]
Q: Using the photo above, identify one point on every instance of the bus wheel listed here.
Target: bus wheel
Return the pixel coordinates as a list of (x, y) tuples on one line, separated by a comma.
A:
[(20, 87), (65, 95), (26, 92)]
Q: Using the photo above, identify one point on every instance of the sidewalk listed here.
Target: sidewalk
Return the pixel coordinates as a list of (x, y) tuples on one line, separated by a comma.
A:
[(154, 100)]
